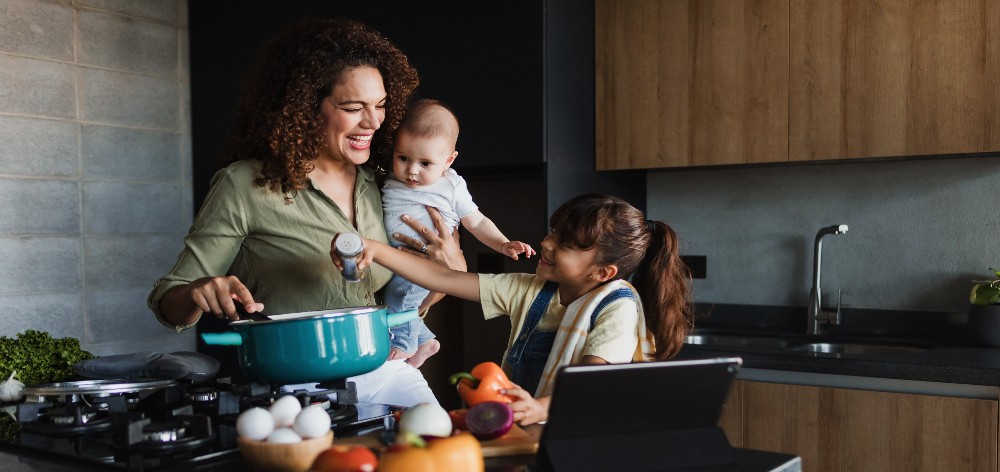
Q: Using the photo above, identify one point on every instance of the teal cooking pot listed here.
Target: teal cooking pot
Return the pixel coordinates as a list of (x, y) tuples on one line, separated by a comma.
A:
[(316, 346)]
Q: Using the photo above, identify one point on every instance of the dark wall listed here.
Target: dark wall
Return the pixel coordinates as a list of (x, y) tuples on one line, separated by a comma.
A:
[(486, 65)]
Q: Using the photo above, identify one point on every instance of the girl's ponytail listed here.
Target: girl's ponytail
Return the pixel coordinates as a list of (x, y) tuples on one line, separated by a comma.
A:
[(642, 249), (664, 283)]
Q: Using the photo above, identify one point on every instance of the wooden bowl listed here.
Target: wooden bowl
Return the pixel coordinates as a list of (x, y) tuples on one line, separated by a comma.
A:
[(293, 457)]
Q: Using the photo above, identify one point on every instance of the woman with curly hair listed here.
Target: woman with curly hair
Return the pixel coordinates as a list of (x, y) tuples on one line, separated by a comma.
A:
[(325, 93)]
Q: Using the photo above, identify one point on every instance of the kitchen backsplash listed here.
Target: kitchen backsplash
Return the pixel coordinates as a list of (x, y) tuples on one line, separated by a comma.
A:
[(920, 230), (94, 167)]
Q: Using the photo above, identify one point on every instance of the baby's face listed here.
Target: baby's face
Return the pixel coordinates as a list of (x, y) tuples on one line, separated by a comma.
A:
[(418, 161)]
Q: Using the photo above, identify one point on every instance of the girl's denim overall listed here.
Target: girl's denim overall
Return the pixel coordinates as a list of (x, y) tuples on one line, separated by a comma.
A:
[(530, 352)]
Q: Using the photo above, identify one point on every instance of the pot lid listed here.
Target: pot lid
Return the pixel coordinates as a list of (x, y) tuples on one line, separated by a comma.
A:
[(308, 315), (106, 386)]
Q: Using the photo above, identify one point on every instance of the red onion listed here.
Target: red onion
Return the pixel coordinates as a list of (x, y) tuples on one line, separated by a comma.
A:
[(489, 420)]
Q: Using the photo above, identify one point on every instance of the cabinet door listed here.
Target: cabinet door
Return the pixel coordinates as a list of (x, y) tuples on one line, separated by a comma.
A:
[(855, 430), (731, 420), (690, 82), (881, 78)]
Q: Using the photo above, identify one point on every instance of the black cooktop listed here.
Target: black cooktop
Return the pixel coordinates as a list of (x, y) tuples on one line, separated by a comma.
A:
[(154, 425)]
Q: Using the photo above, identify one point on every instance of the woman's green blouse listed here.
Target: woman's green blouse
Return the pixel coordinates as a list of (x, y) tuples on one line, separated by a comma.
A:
[(279, 248)]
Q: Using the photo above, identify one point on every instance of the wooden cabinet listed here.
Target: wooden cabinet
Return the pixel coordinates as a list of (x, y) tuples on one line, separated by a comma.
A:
[(690, 82), (707, 82), (883, 78), (836, 429)]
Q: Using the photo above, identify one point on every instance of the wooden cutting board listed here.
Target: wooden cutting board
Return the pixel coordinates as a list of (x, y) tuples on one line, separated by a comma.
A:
[(517, 441)]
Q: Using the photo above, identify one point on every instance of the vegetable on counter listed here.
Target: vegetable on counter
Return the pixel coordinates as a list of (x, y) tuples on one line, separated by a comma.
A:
[(425, 419), (458, 419), (482, 384), (458, 453), (345, 458), (489, 420), (39, 358), (10, 389)]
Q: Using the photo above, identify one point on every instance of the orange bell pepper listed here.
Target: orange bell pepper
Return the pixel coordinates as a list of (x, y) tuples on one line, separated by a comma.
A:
[(482, 384), (458, 453)]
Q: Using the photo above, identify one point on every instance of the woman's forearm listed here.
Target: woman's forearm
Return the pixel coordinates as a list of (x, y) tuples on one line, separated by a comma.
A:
[(178, 308)]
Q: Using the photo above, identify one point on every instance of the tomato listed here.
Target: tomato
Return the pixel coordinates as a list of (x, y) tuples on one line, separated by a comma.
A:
[(458, 419), (345, 458)]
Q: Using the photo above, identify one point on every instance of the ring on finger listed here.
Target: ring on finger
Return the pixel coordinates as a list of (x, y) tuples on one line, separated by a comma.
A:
[(423, 248)]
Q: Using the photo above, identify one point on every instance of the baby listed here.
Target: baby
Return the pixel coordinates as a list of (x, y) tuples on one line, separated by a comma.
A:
[(422, 176)]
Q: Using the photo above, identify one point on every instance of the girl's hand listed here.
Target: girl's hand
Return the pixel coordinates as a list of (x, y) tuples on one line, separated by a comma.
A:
[(217, 295), (512, 248), (527, 410), (441, 245)]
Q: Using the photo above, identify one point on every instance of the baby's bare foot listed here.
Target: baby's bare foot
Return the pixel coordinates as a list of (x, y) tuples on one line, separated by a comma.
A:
[(397, 353), (425, 350)]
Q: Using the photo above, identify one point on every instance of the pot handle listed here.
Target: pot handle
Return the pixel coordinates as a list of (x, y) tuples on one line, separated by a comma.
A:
[(222, 339), (393, 319)]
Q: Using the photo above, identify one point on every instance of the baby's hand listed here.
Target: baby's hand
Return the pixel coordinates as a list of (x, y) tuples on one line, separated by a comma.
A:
[(512, 248)]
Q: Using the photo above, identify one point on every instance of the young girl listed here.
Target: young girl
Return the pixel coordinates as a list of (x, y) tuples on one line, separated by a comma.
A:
[(578, 307)]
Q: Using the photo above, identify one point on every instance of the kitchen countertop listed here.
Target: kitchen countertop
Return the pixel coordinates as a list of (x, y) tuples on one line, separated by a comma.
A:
[(749, 460), (950, 356)]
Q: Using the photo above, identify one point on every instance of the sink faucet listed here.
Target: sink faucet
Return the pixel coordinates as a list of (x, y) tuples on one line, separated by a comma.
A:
[(816, 313)]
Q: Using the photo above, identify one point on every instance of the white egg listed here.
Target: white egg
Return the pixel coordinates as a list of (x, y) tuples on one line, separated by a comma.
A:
[(255, 423), (312, 422), (284, 410), (284, 436)]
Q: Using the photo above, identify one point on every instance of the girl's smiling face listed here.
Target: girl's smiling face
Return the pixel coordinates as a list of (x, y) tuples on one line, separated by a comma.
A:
[(353, 112), (565, 265)]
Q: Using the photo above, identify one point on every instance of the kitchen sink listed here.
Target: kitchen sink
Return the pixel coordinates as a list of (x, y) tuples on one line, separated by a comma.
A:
[(799, 345), (856, 349), (723, 340)]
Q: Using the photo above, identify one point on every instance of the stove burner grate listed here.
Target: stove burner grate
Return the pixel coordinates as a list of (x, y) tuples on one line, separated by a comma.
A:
[(141, 435), (100, 422)]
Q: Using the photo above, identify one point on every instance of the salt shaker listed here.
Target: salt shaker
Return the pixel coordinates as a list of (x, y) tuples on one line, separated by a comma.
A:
[(348, 246)]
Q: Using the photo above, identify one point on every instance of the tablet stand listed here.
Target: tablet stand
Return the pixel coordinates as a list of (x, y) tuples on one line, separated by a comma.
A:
[(666, 450)]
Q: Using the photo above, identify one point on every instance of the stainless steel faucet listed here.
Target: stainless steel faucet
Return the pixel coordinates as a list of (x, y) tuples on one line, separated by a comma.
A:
[(816, 314)]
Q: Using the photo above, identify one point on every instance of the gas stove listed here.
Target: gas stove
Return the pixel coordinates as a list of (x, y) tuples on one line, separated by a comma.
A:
[(158, 424)]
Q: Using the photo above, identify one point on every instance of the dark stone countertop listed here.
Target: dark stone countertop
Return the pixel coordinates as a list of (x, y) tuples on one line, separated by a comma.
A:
[(950, 354)]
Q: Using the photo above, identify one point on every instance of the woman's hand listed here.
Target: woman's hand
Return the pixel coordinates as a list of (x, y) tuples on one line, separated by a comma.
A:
[(218, 296), (441, 245), (527, 409), (363, 260)]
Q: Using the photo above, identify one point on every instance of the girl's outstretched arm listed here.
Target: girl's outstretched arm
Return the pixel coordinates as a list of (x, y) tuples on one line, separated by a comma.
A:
[(417, 269)]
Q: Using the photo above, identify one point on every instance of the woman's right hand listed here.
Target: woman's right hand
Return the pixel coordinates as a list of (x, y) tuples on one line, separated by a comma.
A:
[(219, 295), (442, 244)]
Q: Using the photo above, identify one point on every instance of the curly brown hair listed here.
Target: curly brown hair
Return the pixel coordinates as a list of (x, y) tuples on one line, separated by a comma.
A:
[(644, 250), (278, 120)]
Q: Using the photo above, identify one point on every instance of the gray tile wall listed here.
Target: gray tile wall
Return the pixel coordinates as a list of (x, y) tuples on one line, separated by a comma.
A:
[(95, 151), (920, 230)]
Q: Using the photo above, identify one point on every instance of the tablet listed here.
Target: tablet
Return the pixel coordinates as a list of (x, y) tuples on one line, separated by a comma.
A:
[(639, 397)]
